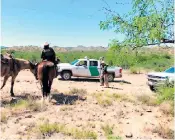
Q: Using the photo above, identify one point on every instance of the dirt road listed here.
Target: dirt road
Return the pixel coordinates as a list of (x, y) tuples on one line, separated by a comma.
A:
[(127, 118)]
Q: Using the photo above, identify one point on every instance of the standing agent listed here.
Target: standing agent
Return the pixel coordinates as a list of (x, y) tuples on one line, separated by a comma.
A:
[(104, 75)]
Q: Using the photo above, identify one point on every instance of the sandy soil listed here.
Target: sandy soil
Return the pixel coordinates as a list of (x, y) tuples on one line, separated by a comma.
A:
[(127, 117)]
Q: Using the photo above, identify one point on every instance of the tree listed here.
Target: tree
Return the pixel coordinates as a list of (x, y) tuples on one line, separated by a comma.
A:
[(149, 22)]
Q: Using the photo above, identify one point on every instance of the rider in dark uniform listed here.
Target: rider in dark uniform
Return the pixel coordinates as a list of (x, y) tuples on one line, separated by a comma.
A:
[(47, 54)]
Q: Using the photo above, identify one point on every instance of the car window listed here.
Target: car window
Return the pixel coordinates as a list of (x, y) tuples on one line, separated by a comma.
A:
[(82, 63), (75, 61), (93, 63), (170, 70)]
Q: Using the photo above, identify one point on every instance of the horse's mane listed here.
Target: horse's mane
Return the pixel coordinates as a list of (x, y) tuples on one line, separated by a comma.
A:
[(19, 59)]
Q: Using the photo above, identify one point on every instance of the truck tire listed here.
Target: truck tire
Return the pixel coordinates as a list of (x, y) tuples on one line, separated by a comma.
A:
[(66, 75), (110, 77)]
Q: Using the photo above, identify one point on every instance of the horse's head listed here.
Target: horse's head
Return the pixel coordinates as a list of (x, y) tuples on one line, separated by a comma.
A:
[(32, 67), (57, 61)]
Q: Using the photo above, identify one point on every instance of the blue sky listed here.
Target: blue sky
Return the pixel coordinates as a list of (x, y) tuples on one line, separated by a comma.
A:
[(59, 22)]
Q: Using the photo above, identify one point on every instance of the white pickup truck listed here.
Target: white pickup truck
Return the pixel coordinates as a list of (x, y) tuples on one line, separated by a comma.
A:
[(89, 68), (159, 78)]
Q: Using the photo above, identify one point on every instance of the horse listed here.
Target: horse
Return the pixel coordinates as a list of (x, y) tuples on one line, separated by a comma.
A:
[(46, 72), (10, 67)]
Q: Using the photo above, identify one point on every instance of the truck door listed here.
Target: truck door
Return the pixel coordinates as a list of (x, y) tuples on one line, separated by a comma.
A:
[(93, 68), (82, 69)]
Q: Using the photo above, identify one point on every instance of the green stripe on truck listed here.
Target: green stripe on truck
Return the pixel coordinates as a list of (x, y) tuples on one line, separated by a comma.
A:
[(94, 71)]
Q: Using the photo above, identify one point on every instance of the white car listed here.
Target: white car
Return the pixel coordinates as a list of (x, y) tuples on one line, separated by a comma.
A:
[(89, 68), (157, 78)]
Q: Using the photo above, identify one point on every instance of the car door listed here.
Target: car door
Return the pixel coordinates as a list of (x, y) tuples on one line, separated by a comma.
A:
[(93, 68), (82, 69)]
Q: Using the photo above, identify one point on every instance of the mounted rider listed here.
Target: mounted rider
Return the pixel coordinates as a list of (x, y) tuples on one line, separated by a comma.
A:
[(48, 54)]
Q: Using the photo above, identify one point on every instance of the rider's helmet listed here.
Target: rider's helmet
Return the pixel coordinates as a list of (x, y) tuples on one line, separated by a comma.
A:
[(46, 45)]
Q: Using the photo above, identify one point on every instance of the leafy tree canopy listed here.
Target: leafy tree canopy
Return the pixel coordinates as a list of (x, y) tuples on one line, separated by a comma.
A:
[(149, 22)]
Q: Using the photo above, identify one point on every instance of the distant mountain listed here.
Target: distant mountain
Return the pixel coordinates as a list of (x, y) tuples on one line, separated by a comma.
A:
[(59, 49), (3, 47)]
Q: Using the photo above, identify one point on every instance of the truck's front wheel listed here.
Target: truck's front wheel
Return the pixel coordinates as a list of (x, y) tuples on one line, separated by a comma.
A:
[(110, 77), (66, 75)]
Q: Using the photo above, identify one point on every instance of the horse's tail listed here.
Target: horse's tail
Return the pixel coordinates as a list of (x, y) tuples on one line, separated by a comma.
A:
[(45, 79)]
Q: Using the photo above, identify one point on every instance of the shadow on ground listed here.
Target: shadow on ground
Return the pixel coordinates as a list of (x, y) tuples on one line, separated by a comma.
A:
[(114, 88), (66, 99), (12, 100), (95, 80)]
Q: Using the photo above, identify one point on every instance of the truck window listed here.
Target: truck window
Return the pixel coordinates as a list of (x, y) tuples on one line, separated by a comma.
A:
[(75, 61), (82, 63), (93, 63)]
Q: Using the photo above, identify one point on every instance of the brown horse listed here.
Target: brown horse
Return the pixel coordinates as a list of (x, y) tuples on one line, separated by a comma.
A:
[(46, 72), (10, 67)]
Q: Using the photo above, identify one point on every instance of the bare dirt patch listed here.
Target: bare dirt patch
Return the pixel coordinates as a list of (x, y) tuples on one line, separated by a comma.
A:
[(75, 106)]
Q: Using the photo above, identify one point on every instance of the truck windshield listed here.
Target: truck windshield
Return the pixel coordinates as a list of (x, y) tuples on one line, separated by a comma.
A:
[(72, 63), (170, 70)]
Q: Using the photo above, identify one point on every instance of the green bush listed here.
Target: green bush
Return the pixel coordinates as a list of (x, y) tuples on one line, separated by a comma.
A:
[(117, 56), (134, 70), (165, 93)]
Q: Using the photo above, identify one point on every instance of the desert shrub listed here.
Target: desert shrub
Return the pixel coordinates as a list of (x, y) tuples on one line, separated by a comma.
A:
[(164, 132), (4, 117), (77, 91), (103, 99), (145, 99), (27, 104), (134, 70), (50, 128), (165, 93), (108, 131), (167, 108)]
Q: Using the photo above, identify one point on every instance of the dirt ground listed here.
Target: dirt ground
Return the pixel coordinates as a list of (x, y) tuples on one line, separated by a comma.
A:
[(128, 118)]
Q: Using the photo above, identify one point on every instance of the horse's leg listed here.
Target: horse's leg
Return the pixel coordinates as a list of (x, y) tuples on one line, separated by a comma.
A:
[(42, 90), (50, 84), (4, 82), (12, 84)]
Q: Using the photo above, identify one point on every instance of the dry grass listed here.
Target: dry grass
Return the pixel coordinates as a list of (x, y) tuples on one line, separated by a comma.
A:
[(123, 97), (76, 91), (4, 117), (145, 99), (90, 125), (103, 99), (135, 70), (167, 108), (65, 108), (107, 99), (164, 132), (27, 105), (48, 129), (108, 131)]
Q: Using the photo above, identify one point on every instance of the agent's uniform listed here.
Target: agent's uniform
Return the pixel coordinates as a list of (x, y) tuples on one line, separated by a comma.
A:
[(104, 75), (48, 54)]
